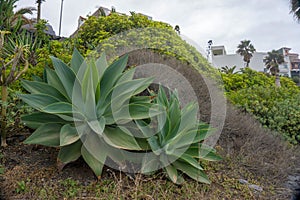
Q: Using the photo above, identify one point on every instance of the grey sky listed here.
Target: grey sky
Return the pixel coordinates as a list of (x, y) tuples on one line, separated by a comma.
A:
[(267, 23)]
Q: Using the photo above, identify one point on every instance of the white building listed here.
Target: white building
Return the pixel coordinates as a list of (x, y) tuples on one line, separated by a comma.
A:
[(221, 59), (289, 68)]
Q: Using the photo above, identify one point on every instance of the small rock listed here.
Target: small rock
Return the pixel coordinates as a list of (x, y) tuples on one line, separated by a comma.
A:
[(255, 187), (242, 181)]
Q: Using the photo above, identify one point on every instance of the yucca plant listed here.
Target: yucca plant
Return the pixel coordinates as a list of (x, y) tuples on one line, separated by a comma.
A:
[(82, 109), (176, 140)]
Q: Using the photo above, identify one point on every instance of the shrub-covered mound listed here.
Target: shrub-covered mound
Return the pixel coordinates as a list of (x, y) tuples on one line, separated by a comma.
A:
[(277, 108)]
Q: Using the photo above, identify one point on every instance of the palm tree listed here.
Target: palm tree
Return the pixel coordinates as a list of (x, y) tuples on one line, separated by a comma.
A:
[(228, 70), (295, 9), (39, 6), (10, 20), (246, 49), (272, 62)]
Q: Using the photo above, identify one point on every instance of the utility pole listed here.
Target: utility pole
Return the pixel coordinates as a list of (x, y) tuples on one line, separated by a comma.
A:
[(60, 18)]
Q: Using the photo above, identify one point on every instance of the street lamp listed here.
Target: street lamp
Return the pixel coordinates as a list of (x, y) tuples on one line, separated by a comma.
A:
[(60, 18)]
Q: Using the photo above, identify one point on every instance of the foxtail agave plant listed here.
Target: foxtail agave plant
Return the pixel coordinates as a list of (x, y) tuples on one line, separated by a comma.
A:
[(81, 109), (176, 140)]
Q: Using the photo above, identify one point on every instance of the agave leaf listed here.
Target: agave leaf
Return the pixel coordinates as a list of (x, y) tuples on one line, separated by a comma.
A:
[(181, 140), (54, 81), (110, 76), (155, 145), (68, 135), (97, 126), (124, 91), (135, 112), (172, 173), (70, 152), (47, 134), (101, 65), (192, 172), (150, 163), (145, 128), (66, 75), (189, 159), (94, 153), (208, 153), (120, 138), (37, 119), (35, 87), (126, 76), (38, 101), (140, 99), (59, 108), (76, 61)]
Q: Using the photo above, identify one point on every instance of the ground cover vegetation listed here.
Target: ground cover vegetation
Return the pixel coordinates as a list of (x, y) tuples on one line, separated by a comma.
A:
[(30, 171)]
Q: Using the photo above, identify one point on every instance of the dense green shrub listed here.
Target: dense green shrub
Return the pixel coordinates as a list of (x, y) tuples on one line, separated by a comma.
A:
[(117, 32), (245, 79), (277, 108)]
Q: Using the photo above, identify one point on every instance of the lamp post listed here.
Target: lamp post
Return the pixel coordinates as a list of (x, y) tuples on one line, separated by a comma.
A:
[(60, 18)]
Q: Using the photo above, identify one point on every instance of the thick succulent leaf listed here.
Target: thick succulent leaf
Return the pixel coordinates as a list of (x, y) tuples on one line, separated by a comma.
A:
[(190, 160), (37, 119), (155, 145), (110, 76), (126, 76), (101, 64), (37, 78), (94, 153), (120, 138), (47, 134), (38, 101), (208, 153), (66, 75), (181, 140), (97, 126), (89, 96), (162, 97), (124, 91), (173, 174), (68, 135), (188, 117), (150, 163), (135, 111), (58, 108), (35, 87), (145, 128), (70, 152), (140, 99), (76, 61), (192, 172), (54, 81)]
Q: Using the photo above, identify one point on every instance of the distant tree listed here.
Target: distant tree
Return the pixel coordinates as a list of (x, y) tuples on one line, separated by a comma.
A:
[(10, 20), (272, 62), (295, 9), (177, 29), (39, 7), (246, 49), (228, 70)]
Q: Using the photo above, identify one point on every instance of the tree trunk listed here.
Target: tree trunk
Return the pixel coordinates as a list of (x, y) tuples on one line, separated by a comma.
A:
[(277, 80), (39, 11), (3, 115)]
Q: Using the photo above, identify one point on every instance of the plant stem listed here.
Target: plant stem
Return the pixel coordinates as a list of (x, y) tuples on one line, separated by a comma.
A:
[(3, 115)]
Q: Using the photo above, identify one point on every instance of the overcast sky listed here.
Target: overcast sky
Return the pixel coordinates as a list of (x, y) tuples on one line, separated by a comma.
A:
[(267, 23)]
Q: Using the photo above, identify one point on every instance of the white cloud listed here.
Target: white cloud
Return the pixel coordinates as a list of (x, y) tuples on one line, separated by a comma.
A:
[(267, 23)]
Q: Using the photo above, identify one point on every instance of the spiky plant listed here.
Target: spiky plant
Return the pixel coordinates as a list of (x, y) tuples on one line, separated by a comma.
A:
[(176, 140), (82, 109)]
